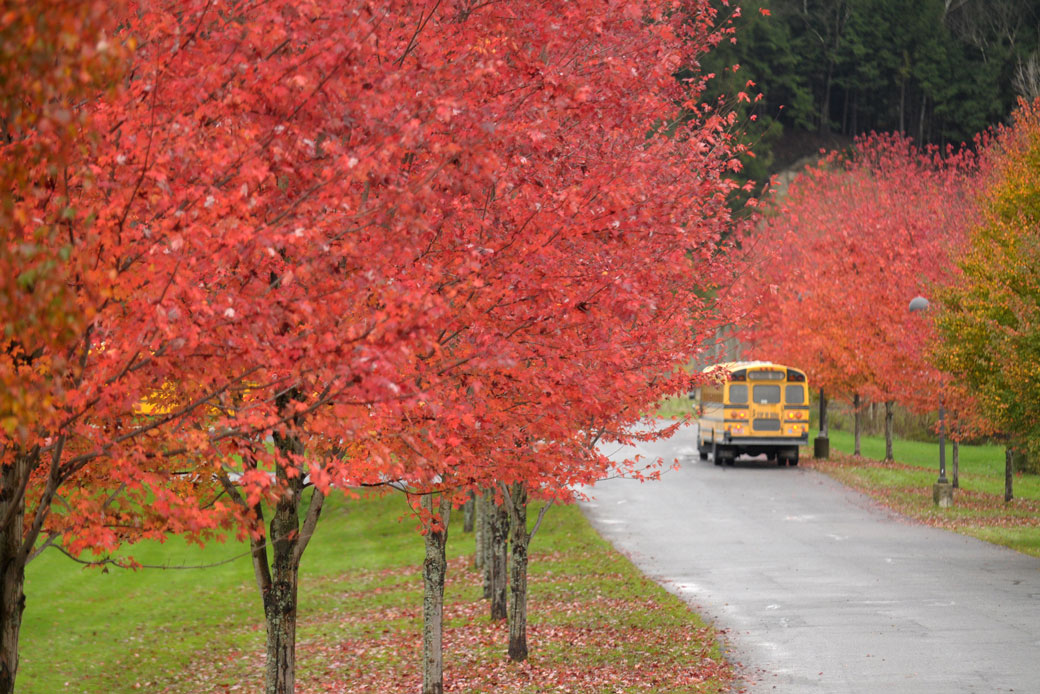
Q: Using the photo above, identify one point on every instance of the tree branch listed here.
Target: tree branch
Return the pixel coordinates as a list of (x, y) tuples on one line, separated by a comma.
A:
[(541, 514), (309, 524)]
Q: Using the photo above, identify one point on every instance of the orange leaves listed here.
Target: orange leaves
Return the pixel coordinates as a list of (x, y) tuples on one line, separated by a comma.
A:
[(989, 319)]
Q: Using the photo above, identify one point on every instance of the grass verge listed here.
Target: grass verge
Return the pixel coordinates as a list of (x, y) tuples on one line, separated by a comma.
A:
[(596, 624), (676, 407), (905, 486)]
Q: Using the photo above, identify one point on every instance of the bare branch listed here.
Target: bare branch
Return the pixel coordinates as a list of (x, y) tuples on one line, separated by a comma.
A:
[(49, 542), (541, 514), (109, 561), (309, 524)]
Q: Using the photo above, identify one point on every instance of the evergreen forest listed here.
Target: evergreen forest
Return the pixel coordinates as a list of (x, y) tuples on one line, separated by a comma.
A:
[(938, 71)]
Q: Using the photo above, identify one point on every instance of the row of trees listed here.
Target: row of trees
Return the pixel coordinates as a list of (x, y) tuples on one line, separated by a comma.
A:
[(989, 329), (863, 232), (852, 241), (256, 249)]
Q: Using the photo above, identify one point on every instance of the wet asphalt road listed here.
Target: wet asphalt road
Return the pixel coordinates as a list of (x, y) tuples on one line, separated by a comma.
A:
[(818, 589)]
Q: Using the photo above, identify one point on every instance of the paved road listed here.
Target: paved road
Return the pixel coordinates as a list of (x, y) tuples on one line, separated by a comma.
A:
[(820, 590)]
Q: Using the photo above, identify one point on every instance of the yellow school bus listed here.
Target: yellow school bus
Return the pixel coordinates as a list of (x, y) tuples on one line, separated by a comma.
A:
[(753, 407)]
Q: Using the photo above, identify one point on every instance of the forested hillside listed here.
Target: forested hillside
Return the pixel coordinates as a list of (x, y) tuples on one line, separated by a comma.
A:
[(938, 71)]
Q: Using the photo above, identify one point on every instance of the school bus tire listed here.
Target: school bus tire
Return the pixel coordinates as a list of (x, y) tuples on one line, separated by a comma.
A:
[(723, 454)]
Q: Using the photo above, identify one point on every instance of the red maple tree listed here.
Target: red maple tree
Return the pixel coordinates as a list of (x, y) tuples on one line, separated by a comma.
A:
[(326, 244), (581, 286)]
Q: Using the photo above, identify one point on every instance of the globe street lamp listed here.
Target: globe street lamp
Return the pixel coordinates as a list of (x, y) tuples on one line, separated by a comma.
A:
[(942, 490)]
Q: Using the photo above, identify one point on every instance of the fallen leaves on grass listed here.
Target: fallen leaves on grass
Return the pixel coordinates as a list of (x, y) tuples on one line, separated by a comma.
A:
[(597, 632), (972, 509)]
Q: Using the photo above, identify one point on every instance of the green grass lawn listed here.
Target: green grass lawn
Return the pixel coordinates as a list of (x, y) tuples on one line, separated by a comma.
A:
[(596, 624), (679, 406), (979, 508)]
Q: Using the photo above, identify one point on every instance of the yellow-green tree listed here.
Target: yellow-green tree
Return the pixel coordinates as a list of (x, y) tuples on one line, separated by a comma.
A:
[(990, 322)]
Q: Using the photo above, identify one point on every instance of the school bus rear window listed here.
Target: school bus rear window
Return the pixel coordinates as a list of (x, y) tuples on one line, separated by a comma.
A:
[(767, 395), (794, 395)]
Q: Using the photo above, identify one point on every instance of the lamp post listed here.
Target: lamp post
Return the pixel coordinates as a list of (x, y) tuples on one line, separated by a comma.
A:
[(942, 490)]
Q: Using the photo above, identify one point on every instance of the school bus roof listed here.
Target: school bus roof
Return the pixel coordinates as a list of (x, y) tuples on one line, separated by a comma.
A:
[(732, 366), (736, 365)]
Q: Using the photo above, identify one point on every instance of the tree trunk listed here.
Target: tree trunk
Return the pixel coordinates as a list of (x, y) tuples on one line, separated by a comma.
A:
[(1009, 473), (854, 128), (16, 545), (278, 580), (488, 510), (845, 113), (956, 464), (279, 583), (520, 540), (11, 608), (468, 511), (479, 527), (823, 414), (279, 590), (277, 576), (825, 106), (902, 106), (435, 568), (889, 413), (12, 570), (920, 119), (499, 559), (857, 422), (280, 613)]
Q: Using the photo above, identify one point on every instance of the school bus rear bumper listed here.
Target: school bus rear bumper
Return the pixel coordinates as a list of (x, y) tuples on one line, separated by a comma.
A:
[(766, 440)]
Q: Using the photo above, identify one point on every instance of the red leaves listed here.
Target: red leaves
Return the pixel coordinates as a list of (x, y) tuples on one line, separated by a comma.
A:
[(378, 244)]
